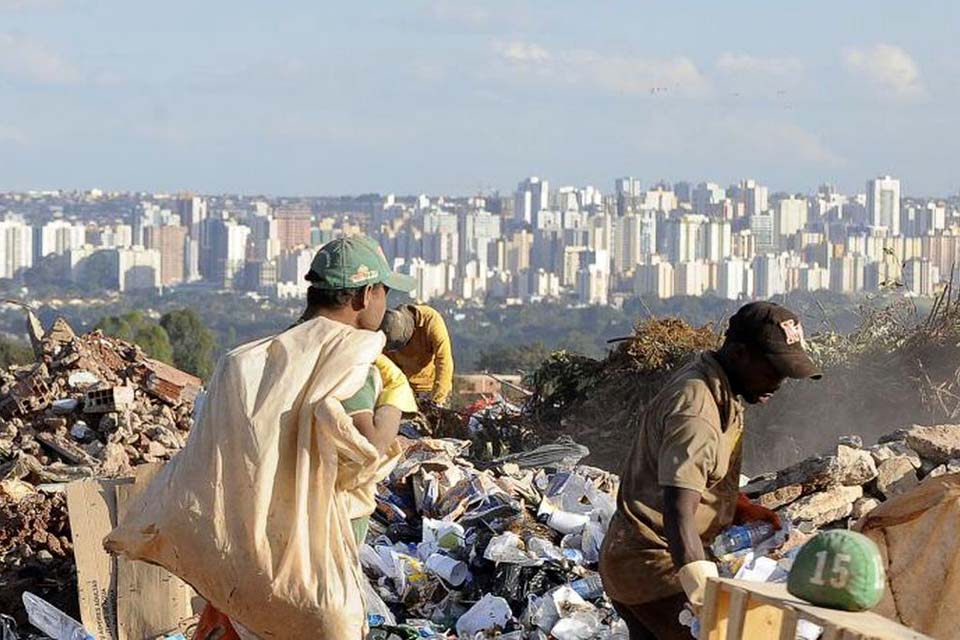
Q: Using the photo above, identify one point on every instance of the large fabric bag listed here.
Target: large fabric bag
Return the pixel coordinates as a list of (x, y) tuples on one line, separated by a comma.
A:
[(255, 511)]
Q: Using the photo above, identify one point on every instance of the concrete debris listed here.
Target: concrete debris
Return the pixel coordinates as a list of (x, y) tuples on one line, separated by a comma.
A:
[(849, 466), (824, 507), (896, 476), (895, 449), (938, 443), (951, 466), (862, 507), (88, 407)]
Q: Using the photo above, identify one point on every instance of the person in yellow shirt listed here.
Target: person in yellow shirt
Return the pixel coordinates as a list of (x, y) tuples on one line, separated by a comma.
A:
[(418, 342)]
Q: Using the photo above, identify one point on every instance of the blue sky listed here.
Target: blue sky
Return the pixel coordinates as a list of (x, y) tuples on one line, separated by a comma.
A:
[(441, 96)]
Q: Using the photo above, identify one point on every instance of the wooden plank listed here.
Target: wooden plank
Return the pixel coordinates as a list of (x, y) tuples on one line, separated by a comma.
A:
[(866, 624), (719, 630), (150, 600), (762, 621), (788, 625), (708, 617), (737, 614)]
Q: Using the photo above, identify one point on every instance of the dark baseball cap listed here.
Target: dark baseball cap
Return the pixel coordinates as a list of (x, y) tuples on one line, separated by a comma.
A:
[(777, 332), (352, 262)]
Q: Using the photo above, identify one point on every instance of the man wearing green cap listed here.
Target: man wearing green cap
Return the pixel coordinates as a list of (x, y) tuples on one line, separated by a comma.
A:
[(680, 485), (349, 282)]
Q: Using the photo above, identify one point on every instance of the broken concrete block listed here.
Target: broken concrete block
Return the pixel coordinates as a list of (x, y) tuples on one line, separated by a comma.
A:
[(896, 476), (114, 460), (108, 400), (863, 506), (895, 449), (951, 466), (853, 441), (824, 507), (938, 443), (780, 497), (848, 467)]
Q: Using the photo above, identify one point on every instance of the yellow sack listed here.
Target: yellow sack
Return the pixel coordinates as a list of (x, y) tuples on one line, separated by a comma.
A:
[(254, 512)]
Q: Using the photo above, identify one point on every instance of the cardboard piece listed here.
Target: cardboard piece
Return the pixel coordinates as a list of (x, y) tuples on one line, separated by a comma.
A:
[(120, 599)]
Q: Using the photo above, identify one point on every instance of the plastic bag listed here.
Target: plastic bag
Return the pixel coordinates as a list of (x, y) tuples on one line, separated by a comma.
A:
[(255, 511)]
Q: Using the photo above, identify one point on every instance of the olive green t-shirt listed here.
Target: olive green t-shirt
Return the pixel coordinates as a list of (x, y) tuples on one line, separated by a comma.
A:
[(687, 437), (365, 400)]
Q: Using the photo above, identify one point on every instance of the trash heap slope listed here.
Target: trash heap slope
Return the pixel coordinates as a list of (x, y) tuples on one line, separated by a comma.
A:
[(896, 368)]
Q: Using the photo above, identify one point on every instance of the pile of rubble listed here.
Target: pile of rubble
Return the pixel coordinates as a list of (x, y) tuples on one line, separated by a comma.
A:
[(90, 406), (838, 489)]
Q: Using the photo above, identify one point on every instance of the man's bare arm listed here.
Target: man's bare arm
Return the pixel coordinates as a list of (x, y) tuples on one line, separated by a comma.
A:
[(380, 428), (679, 510)]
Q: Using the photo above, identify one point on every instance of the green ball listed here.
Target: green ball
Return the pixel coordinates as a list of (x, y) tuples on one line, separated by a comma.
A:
[(839, 569)]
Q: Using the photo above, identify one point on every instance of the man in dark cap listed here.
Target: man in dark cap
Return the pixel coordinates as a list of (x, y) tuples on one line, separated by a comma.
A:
[(418, 342), (680, 485)]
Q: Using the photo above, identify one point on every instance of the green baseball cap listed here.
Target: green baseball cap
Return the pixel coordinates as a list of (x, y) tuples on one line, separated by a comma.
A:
[(352, 262)]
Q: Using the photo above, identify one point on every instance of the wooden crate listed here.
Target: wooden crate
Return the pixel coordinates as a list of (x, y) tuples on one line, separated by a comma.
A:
[(740, 610)]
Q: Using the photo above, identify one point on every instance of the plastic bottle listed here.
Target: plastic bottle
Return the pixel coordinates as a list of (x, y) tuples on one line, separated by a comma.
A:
[(741, 536), (52, 621), (589, 588), (690, 621)]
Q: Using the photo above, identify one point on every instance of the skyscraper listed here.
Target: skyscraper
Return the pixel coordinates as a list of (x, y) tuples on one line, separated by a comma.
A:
[(171, 243), (533, 195), (754, 197), (883, 203), (16, 246)]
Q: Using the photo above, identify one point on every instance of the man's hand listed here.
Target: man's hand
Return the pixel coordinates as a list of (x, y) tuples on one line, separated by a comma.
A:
[(749, 512)]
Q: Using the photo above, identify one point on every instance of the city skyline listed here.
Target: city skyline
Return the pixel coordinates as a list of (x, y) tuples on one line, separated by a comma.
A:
[(579, 245), (438, 96)]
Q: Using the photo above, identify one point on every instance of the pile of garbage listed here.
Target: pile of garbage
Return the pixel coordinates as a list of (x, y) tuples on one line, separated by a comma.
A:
[(509, 548), (89, 406)]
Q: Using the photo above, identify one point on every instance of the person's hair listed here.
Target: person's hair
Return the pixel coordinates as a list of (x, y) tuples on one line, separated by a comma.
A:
[(331, 298)]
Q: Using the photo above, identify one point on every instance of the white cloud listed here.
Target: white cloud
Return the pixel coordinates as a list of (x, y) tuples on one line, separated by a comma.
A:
[(776, 141), (887, 67), (620, 74), (26, 59), (747, 64), (521, 52)]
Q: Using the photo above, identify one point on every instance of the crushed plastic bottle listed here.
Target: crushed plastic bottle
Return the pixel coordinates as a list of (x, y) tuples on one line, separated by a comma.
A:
[(741, 536), (589, 588), (52, 621)]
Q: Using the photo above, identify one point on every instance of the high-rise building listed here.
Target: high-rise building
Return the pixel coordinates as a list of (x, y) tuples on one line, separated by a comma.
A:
[(264, 238), (790, 216), (225, 252), (192, 211), (717, 240), (761, 228), (683, 238), (294, 223), (883, 203), (754, 197), (690, 278), (920, 277), (171, 243), (293, 265), (707, 198), (57, 237), (16, 246), (769, 276), (533, 196), (477, 231), (654, 278), (519, 250), (635, 237), (629, 194), (138, 269), (733, 282)]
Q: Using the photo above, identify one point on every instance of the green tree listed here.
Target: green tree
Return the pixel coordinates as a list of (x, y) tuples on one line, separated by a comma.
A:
[(193, 343), (136, 328), (510, 358), (14, 352)]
